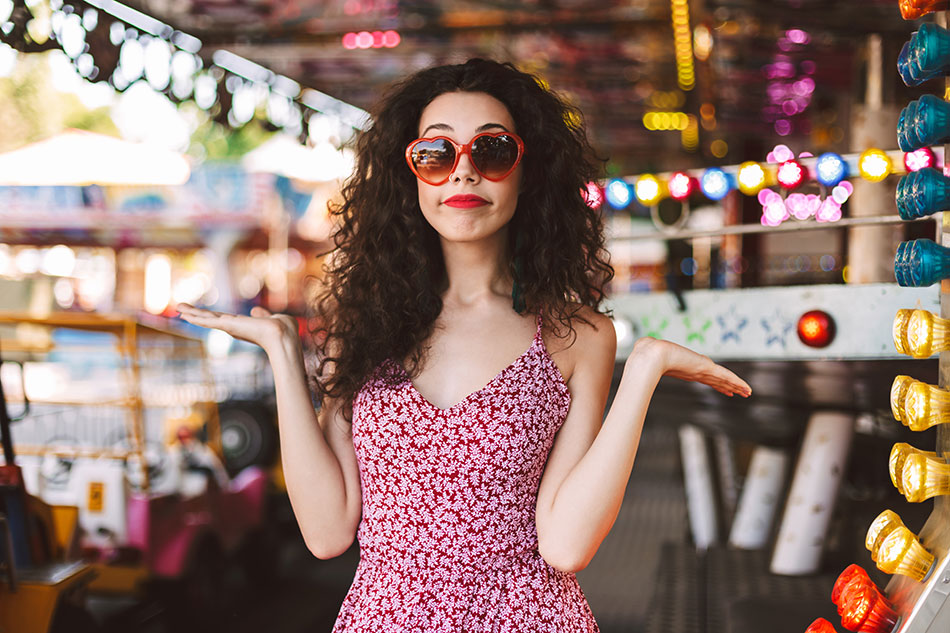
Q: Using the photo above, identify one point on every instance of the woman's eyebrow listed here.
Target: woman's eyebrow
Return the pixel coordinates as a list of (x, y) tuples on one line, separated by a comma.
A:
[(449, 128)]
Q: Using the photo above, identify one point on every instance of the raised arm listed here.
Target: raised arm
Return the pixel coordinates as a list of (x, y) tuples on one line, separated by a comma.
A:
[(587, 472), (317, 455)]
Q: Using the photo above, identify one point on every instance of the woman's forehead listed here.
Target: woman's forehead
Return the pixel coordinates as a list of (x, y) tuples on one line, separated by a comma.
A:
[(464, 112)]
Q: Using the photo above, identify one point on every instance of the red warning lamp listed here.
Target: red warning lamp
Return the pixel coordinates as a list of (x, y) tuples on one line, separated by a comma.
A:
[(816, 328), (821, 625)]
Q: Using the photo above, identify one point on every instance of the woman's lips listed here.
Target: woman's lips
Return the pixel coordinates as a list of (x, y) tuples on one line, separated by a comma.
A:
[(465, 202)]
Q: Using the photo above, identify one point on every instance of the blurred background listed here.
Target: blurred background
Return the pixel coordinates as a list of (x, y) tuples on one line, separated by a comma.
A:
[(163, 151)]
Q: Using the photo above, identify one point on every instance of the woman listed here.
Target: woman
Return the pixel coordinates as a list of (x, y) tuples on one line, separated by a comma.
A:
[(464, 238)]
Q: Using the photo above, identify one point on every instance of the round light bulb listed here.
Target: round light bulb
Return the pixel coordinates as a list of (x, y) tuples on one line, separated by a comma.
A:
[(925, 406), (899, 330), (790, 174), (681, 185), (648, 190), (751, 178), (923, 477), (874, 165)]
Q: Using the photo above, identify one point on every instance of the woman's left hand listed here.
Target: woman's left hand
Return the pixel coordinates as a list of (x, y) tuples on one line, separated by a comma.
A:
[(683, 363)]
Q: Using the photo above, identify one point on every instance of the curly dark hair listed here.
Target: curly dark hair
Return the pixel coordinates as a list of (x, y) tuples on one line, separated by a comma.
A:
[(383, 284)]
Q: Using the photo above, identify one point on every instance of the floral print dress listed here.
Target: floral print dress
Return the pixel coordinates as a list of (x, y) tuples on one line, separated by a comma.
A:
[(448, 542)]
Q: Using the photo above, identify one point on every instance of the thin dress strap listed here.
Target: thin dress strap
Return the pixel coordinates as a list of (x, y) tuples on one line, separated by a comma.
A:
[(540, 322)]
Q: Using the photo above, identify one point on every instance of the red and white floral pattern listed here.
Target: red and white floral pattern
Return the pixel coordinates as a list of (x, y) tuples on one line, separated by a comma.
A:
[(448, 542)]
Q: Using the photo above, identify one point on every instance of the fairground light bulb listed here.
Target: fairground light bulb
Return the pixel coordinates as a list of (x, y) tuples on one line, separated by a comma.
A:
[(906, 134), (844, 578), (895, 463), (898, 394), (790, 174), (863, 609), (898, 551), (715, 183), (885, 523), (821, 625), (681, 185), (751, 178), (913, 9), (924, 477), (925, 406), (927, 56), (830, 169), (927, 334), (920, 263), (922, 193), (874, 165), (899, 331), (929, 125), (648, 189), (919, 159)]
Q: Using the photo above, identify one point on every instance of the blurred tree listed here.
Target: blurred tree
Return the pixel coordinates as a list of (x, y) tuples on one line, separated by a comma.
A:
[(31, 109)]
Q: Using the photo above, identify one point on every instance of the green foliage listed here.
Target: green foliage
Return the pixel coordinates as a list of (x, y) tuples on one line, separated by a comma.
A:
[(31, 109)]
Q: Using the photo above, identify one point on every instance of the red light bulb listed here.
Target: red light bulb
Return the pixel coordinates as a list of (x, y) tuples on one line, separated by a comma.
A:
[(863, 609), (816, 328), (821, 625), (919, 158), (681, 186), (849, 573), (790, 174)]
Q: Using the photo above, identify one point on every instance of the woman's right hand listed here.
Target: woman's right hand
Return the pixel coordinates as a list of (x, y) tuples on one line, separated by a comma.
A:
[(261, 328)]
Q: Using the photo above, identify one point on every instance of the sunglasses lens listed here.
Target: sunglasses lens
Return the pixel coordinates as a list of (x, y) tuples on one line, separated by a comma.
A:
[(433, 160), (494, 156)]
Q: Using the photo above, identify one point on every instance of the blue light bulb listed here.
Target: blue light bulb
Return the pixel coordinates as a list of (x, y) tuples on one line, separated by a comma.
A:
[(904, 127), (715, 183), (920, 263), (921, 193), (618, 193), (929, 54), (923, 122), (830, 169)]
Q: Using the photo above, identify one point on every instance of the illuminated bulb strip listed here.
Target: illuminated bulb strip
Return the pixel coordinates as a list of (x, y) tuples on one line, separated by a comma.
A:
[(895, 463), (895, 549), (683, 45), (925, 406), (923, 477)]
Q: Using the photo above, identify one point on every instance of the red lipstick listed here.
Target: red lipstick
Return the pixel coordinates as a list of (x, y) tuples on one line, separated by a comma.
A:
[(465, 201)]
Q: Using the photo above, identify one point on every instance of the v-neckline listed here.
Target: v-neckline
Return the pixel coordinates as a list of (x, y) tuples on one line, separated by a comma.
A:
[(428, 403)]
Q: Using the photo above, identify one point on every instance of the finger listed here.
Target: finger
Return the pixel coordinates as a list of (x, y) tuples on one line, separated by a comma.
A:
[(258, 311)]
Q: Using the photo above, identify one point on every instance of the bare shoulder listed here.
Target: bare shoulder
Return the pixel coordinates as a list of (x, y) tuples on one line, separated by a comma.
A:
[(593, 341)]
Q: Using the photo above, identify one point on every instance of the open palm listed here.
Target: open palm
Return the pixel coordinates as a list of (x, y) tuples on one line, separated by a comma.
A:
[(261, 328), (685, 364)]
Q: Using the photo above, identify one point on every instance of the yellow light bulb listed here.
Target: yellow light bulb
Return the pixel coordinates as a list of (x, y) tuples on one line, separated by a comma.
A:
[(874, 165), (895, 464), (924, 477), (927, 334), (751, 178), (648, 189), (925, 406), (898, 393), (901, 553), (899, 331), (885, 523)]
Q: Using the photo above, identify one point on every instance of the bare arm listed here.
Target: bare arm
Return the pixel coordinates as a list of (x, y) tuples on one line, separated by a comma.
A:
[(583, 488), (317, 456)]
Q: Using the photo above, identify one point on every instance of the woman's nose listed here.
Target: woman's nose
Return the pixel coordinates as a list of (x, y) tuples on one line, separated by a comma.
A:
[(464, 169)]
